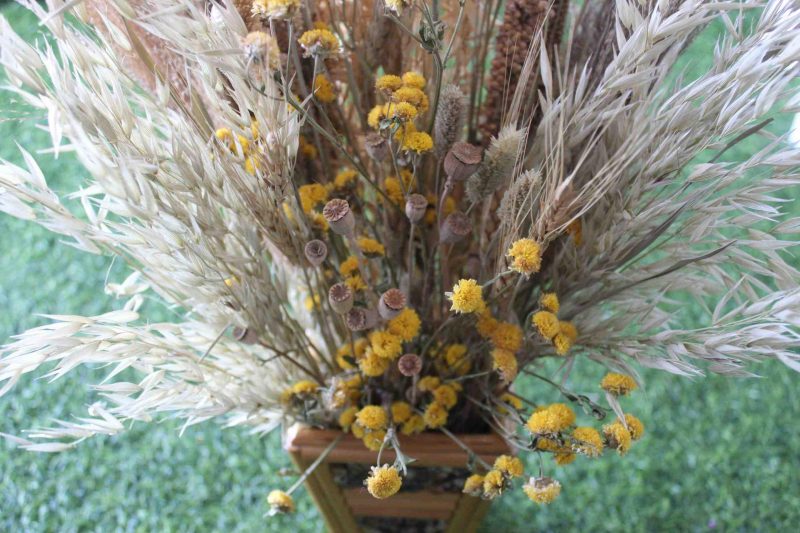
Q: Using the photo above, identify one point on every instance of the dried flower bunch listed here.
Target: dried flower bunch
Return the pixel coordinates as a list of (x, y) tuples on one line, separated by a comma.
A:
[(378, 216)]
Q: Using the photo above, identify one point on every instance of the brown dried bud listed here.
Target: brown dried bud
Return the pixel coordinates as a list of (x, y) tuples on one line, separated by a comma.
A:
[(339, 216), (244, 335), (392, 302), (340, 297), (410, 364), (462, 161), (316, 251), (359, 319), (376, 146), (416, 205), (455, 227)]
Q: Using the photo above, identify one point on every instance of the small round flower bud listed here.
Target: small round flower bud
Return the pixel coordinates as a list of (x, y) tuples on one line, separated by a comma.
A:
[(416, 205), (376, 146), (339, 216), (340, 297), (359, 319), (244, 335), (410, 364), (462, 161), (455, 227), (391, 303), (316, 251)]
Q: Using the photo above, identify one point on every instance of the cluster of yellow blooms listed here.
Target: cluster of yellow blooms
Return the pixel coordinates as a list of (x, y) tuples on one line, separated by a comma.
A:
[(495, 481), (561, 333), (406, 101)]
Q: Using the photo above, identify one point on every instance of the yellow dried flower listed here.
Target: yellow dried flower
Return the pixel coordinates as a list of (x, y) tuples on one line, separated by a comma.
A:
[(358, 430), (376, 114), (347, 418), (384, 481), (356, 283), (486, 324), (251, 165), (374, 440), (275, 8), (307, 149), (373, 365), (311, 196), (618, 384), (324, 90), (414, 79), (319, 42), (428, 383), (445, 395), (372, 417), (401, 412), (349, 266), (525, 256), (473, 485), (511, 400), (553, 419), (509, 466), (345, 179), (454, 353), (547, 324), (304, 387), (388, 83), (549, 301), (493, 484), (569, 330), (417, 141), (280, 502), (311, 302), (345, 351), (505, 362), (412, 95), (415, 424), (393, 190), (542, 490), (405, 325), (562, 344), (467, 297), (635, 426), (587, 441), (507, 336), (386, 345), (435, 415), (563, 459), (371, 247), (617, 437), (402, 111)]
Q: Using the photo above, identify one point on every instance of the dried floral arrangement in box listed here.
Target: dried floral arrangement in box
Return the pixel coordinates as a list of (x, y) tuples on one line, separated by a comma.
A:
[(377, 215)]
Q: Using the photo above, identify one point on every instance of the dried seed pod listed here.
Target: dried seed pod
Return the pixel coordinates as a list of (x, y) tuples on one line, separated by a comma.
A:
[(376, 146), (244, 335), (462, 161), (416, 205), (359, 319), (316, 251), (455, 227), (497, 167), (410, 364), (449, 119), (391, 303), (339, 216), (340, 297)]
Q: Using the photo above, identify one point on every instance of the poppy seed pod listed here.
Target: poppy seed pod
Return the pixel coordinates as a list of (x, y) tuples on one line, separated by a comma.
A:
[(359, 319), (339, 216), (391, 303), (376, 146), (244, 335), (462, 161), (410, 364), (416, 205), (316, 251), (340, 297), (455, 227)]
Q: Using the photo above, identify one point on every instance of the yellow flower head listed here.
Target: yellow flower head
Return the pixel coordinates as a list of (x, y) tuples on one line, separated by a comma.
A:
[(467, 297), (415, 424), (349, 266), (547, 324), (587, 441), (386, 345), (505, 362), (401, 412), (371, 247), (405, 325), (347, 418), (553, 419), (510, 466), (428, 383), (356, 283), (435, 415), (418, 142), (307, 149), (305, 388), (319, 42), (562, 344), (376, 114), (618, 384), (525, 256), (346, 179), (569, 330), (542, 490), (373, 365), (486, 324), (454, 353), (635, 426), (384, 481), (372, 417), (311, 196), (275, 8), (617, 437), (412, 95), (473, 485), (251, 165), (393, 190), (493, 484), (345, 352), (374, 440), (324, 90), (414, 79), (563, 459), (507, 336), (402, 111), (280, 502), (445, 395), (511, 400), (388, 83), (549, 301)]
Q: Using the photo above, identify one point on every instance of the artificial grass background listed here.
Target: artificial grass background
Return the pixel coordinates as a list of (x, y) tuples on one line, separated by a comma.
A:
[(717, 453)]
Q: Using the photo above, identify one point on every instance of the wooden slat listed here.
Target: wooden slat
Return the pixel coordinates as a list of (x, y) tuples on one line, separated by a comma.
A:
[(468, 514), (422, 504)]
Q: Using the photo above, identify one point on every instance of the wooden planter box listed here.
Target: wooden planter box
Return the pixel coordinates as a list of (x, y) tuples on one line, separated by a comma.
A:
[(341, 507)]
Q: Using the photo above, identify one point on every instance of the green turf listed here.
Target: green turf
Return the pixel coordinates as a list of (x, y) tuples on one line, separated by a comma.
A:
[(717, 452)]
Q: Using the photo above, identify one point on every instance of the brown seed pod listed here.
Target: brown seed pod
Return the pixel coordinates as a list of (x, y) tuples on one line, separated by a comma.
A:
[(462, 161), (339, 216), (316, 251), (391, 303), (416, 205), (455, 227), (410, 364), (340, 297)]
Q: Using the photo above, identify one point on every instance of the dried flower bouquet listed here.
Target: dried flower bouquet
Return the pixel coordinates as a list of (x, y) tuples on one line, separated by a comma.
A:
[(376, 216)]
